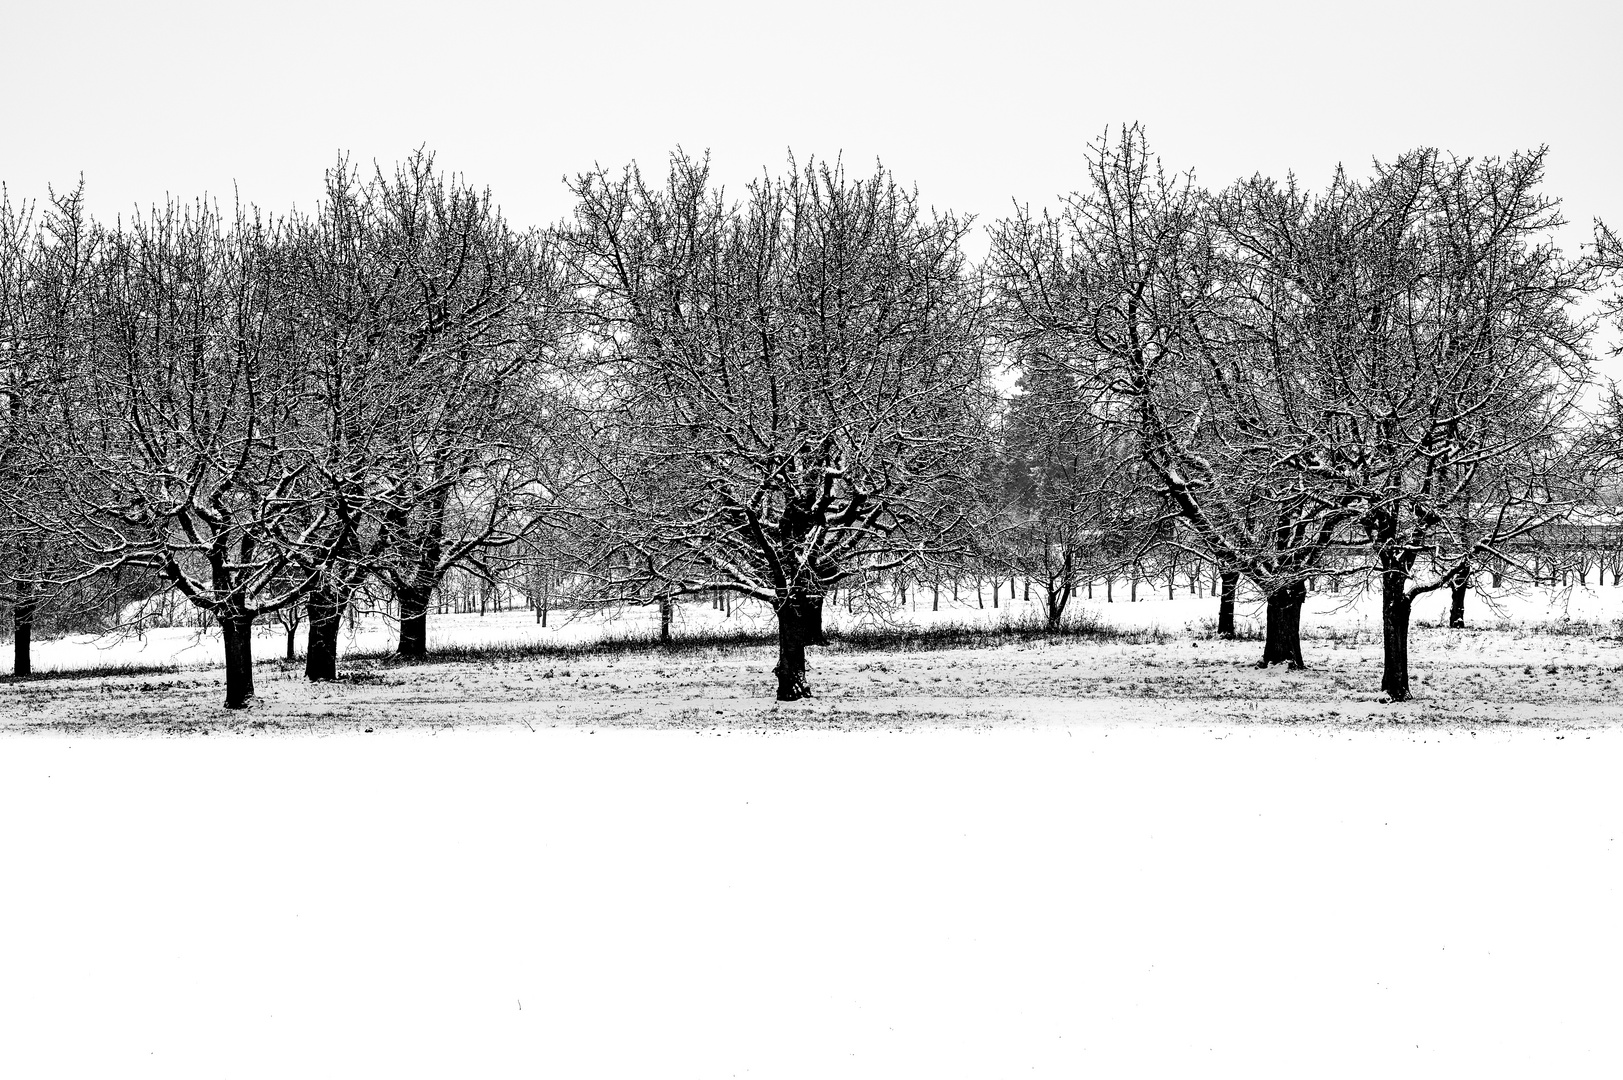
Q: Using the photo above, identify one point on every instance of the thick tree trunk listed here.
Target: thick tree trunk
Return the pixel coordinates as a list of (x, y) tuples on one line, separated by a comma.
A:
[(1395, 606), (1225, 604), (1283, 644), (413, 622), (22, 631), (239, 659), (292, 636), (1456, 606), (793, 624), (808, 610), (321, 641)]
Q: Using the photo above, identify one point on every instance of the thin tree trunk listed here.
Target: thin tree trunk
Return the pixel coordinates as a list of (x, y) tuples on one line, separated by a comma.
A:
[(1230, 581), (1283, 644), (1058, 596), (239, 659), (665, 620), (292, 637)]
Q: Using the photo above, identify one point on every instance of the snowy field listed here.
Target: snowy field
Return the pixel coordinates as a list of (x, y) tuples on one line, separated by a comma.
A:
[(1551, 656), (1131, 857)]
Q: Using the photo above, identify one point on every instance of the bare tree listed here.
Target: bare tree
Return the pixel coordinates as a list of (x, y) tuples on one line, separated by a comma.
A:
[(46, 274), (1073, 505), (435, 330), (1131, 284), (1436, 321), (184, 454), (791, 386)]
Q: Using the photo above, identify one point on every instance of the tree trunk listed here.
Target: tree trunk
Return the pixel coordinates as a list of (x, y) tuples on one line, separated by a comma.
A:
[(1456, 606), (1225, 604), (808, 610), (1058, 596), (292, 635), (413, 622), (935, 596), (321, 640), (239, 659), (1395, 605), (797, 620), (664, 620), (1283, 644), (22, 625)]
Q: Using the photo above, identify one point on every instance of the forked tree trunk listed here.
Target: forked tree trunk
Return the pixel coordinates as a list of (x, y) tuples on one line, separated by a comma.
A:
[(22, 626), (238, 631), (1225, 604), (1456, 605), (413, 621), (1058, 597), (1283, 644), (1395, 606), (292, 635), (321, 641)]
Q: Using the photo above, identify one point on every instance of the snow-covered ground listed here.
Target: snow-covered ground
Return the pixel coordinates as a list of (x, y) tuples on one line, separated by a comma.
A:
[(1528, 656), (1132, 857), (1351, 614)]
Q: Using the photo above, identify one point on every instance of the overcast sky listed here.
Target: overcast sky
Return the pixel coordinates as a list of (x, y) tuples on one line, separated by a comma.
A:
[(977, 104)]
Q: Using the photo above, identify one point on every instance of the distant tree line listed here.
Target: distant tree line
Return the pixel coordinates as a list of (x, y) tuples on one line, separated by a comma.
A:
[(400, 401)]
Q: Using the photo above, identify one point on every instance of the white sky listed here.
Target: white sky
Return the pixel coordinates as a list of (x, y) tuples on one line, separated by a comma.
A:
[(976, 103)]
